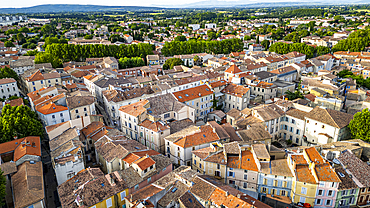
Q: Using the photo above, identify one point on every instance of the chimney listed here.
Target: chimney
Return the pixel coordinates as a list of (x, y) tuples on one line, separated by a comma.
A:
[(238, 196), (227, 193)]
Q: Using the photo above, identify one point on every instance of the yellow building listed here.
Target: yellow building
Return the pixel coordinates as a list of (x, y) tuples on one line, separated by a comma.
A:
[(304, 185), (38, 80), (210, 161)]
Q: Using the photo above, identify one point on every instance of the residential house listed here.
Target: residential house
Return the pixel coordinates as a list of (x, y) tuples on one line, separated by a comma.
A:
[(231, 72), (81, 106), (21, 65), (152, 59), (347, 191), (359, 172), (287, 73), (292, 125), (236, 96), (270, 115), (114, 99), (38, 80), (324, 126), (275, 180), (67, 154), (180, 144), (256, 47), (51, 114), (264, 89), (8, 88), (200, 98)]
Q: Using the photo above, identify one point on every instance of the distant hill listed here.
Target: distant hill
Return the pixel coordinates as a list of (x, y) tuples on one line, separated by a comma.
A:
[(56, 8)]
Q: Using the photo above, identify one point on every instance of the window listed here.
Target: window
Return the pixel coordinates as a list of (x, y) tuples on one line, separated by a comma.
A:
[(321, 184), (342, 202), (320, 192), (200, 165), (195, 162), (85, 109), (304, 190), (284, 184), (293, 121), (353, 191), (123, 195), (302, 199), (264, 181), (275, 183), (218, 166), (53, 116), (231, 174), (109, 202), (166, 115), (245, 185), (282, 193), (137, 187), (332, 184), (328, 202), (70, 175), (61, 114), (344, 193), (351, 200), (245, 177), (264, 190), (330, 192), (318, 202), (76, 110), (298, 131)]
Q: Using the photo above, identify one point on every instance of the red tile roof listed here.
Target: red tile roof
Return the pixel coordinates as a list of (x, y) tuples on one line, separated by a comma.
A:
[(51, 108), (144, 162), (206, 135), (192, 93), (233, 69)]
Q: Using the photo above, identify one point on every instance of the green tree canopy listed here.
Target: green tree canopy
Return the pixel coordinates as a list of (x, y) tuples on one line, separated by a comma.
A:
[(7, 72), (2, 188), (126, 62), (360, 125), (180, 38), (170, 63), (19, 121), (8, 44)]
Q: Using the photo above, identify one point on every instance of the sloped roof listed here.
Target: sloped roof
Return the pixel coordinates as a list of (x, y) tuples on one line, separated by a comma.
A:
[(331, 117), (51, 108)]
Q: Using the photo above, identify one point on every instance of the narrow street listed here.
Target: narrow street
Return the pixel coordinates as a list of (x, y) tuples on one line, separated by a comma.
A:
[(50, 182)]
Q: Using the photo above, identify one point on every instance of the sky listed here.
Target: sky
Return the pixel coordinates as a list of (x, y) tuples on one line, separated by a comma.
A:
[(28, 3)]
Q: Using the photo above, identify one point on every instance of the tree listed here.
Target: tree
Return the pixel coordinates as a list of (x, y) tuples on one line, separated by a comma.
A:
[(125, 62), (88, 37), (196, 60), (266, 44), (258, 39), (180, 38), (7, 72), (44, 57), (19, 121), (2, 188), (8, 44), (296, 94), (170, 63), (360, 125), (46, 30)]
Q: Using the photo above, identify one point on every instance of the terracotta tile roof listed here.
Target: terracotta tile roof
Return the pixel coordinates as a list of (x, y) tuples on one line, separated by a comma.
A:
[(296, 113), (233, 69), (299, 159), (135, 109), (303, 174), (284, 70), (264, 84), (144, 193), (204, 152), (358, 168), (7, 81), (276, 167), (35, 77), (79, 101), (236, 90), (202, 189), (314, 155), (346, 181), (311, 97), (51, 108), (154, 126), (326, 173), (15, 102), (331, 117), (205, 132), (29, 146), (8, 168), (218, 83), (28, 184), (189, 201), (144, 162), (92, 127), (246, 162), (192, 93), (132, 157)]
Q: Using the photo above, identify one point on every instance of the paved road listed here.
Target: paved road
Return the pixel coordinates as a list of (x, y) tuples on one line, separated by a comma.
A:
[(50, 182)]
